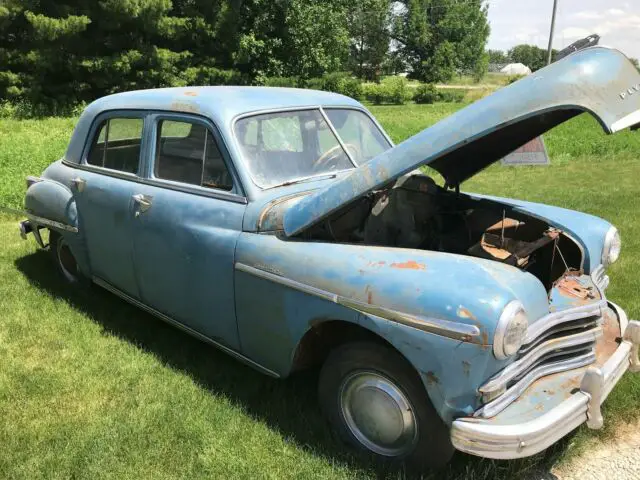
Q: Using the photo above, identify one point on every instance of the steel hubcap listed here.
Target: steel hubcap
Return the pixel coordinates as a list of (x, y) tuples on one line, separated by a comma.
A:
[(378, 414), (67, 261)]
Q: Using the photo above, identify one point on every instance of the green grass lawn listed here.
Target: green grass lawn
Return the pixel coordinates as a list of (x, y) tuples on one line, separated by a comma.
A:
[(91, 387)]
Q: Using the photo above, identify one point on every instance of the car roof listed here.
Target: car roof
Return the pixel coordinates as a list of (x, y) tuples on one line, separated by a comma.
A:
[(222, 104)]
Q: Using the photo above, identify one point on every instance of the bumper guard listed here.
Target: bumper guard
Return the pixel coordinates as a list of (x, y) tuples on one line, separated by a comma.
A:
[(488, 438)]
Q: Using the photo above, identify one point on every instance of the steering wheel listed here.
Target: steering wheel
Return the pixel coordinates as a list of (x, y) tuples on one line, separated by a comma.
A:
[(329, 159)]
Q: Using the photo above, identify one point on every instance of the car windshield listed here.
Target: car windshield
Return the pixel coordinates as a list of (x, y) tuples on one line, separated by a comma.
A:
[(286, 147)]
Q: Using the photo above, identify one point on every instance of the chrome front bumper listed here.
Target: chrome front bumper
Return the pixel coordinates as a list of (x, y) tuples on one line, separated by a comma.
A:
[(492, 438)]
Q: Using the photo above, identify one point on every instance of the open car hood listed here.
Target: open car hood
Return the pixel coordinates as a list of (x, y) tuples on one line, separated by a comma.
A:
[(597, 80)]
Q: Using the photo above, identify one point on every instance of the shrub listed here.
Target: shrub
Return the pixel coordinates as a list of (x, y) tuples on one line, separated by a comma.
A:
[(352, 88), (451, 95), (315, 83), (337, 82), (513, 79), (426, 93), (374, 93), (396, 90), (292, 82)]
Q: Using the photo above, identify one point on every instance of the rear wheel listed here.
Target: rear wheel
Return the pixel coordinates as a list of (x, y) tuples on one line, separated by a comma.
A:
[(63, 258), (375, 401)]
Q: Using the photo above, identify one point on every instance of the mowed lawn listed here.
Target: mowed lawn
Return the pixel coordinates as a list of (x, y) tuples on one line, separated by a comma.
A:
[(91, 387)]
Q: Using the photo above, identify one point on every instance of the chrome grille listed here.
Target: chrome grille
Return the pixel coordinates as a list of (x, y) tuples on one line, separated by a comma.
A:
[(600, 277), (558, 342)]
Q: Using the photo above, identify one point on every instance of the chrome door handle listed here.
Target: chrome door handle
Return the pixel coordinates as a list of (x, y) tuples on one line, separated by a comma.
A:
[(144, 203), (79, 183)]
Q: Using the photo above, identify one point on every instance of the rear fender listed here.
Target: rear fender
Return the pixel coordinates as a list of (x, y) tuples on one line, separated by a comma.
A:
[(51, 204), (52, 201)]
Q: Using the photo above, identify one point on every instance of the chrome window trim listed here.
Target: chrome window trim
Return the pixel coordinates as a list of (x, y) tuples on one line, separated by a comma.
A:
[(445, 328), (107, 286), (507, 398), (94, 130), (41, 220), (567, 315), (338, 137), (157, 116), (368, 114), (300, 108), (511, 371), (203, 192)]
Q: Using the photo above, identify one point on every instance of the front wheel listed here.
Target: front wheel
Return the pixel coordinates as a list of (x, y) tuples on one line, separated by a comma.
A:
[(375, 401)]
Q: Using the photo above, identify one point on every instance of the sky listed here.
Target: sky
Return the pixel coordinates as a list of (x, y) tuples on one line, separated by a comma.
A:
[(528, 21)]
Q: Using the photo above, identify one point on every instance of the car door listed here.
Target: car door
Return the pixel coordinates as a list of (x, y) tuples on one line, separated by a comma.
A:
[(103, 189), (188, 216)]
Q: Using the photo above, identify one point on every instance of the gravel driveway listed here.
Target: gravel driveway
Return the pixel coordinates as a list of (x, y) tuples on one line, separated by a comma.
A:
[(615, 459)]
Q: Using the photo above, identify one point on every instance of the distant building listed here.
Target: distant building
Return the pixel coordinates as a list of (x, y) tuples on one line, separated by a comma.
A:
[(496, 67), (516, 69)]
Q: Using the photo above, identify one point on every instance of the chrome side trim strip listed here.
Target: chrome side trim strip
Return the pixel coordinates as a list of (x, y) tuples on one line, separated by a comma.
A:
[(287, 282), (175, 323), (41, 220), (498, 381), (445, 328), (556, 318), (491, 409)]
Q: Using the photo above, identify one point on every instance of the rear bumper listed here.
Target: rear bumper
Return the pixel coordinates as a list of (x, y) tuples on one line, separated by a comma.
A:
[(508, 440)]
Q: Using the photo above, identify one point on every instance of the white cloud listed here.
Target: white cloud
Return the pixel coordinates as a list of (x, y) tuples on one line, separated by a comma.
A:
[(588, 15), (576, 32), (523, 21)]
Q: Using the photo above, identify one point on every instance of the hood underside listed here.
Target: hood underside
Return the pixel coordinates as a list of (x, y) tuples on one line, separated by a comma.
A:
[(597, 80)]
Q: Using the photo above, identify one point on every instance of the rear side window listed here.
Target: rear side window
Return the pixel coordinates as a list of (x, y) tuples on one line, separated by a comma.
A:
[(117, 145), (187, 153)]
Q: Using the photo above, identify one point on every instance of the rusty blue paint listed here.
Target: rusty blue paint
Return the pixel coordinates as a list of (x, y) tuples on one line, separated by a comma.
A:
[(588, 81), (182, 258)]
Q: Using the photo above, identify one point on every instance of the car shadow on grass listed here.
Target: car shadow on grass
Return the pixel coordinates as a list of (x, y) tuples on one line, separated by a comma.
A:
[(287, 406)]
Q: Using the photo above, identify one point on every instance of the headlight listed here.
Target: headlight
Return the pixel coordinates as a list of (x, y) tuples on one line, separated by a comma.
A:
[(511, 330), (612, 246)]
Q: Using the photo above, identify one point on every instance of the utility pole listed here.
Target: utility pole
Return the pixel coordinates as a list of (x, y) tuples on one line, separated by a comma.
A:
[(553, 26)]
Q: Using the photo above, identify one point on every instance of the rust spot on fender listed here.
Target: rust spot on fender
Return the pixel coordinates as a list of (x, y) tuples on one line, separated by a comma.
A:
[(410, 265), (431, 378), (485, 340), (369, 293), (377, 264), (191, 93), (465, 313)]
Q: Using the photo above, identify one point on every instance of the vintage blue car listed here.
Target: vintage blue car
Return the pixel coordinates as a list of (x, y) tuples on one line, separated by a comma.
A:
[(284, 227)]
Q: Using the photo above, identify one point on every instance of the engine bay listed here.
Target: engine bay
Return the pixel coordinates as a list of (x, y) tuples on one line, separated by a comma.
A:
[(417, 213)]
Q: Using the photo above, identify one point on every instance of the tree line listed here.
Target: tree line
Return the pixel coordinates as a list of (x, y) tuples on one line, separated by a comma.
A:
[(71, 51)]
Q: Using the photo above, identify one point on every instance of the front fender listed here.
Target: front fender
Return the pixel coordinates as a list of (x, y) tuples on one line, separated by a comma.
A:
[(283, 287), (588, 230)]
